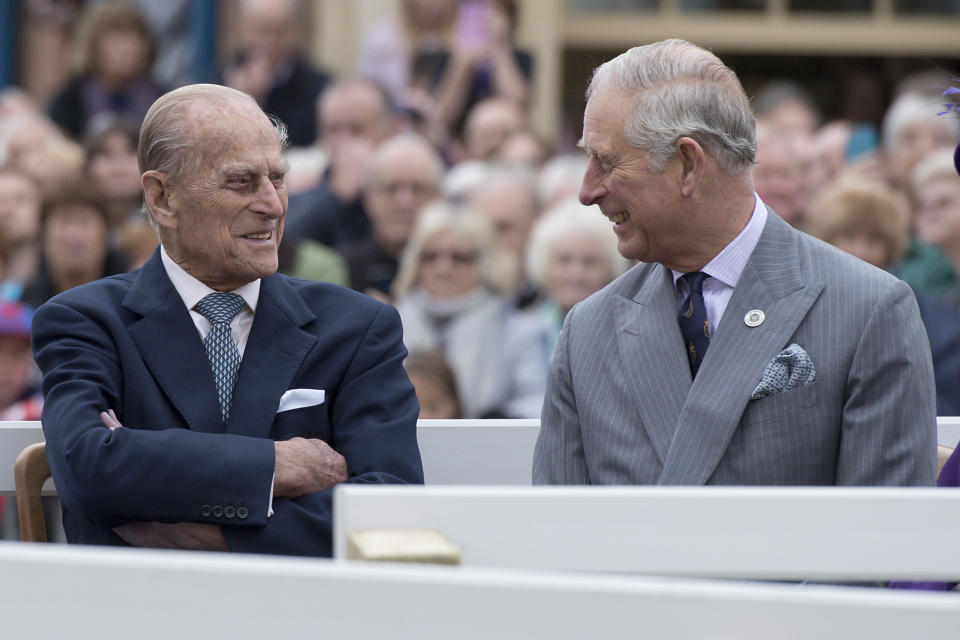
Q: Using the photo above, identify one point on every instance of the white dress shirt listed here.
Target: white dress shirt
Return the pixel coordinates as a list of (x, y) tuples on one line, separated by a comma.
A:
[(725, 269), (193, 291)]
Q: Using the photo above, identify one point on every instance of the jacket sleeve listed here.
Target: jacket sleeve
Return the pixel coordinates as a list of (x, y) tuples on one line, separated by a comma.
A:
[(888, 432), (132, 474), (374, 419)]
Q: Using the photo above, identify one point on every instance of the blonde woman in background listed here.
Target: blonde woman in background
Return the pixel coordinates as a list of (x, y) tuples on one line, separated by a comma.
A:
[(453, 293)]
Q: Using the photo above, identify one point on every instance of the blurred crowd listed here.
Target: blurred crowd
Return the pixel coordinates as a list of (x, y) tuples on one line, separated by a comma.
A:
[(419, 179)]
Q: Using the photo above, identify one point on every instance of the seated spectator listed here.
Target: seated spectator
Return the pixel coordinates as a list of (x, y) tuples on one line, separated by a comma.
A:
[(778, 175), (20, 397), (785, 107), (523, 147), (911, 130), (355, 116), (508, 198), (74, 239), (484, 63), (868, 220), (111, 165), (388, 49), (937, 218), (451, 293), (560, 179), (19, 225), (53, 162), (404, 176), (270, 67), (489, 124), (572, 253), (435, 384), (114, 54)]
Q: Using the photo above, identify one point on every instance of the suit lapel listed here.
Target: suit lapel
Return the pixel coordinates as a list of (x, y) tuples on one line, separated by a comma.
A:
[(275, 349), (772, 282), (171, 348), (651, 351)]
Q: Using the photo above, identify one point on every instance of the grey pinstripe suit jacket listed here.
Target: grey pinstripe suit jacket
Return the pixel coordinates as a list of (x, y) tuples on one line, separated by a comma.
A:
[(621, 408)]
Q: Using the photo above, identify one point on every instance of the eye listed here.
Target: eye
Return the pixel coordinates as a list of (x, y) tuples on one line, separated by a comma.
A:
[(240, 182)]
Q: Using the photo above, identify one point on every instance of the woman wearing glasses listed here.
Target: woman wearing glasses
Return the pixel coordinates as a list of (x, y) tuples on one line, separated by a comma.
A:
[(453, 293)]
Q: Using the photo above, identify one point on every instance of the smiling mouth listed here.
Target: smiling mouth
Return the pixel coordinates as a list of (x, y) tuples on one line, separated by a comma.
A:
[(619, 218), (266, 235)]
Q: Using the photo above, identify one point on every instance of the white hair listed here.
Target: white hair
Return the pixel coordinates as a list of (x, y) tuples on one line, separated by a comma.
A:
[(558, 173), (914, 108), (463, 179), (496, 265), (681, 90), (937, 165), (565, 219)]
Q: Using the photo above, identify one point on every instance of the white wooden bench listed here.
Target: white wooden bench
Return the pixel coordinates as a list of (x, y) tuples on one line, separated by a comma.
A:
[(54, 591)]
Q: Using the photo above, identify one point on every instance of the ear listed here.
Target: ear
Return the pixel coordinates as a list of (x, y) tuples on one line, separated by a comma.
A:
[(156, 193), (693, 161)]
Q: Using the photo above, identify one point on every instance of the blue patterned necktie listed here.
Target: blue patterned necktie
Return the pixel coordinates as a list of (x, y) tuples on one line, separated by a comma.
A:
[(693, 321), (220, 309)]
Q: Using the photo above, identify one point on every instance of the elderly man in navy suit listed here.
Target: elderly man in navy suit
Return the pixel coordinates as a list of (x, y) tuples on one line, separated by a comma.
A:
[(205, 401)]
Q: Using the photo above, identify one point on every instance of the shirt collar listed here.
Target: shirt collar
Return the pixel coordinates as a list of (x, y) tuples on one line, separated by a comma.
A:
[(728, 265), (193, 291)]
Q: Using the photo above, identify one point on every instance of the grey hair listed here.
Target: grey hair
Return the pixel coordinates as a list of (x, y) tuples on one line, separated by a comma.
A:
[(167, 140), (681, 90), (567, 218), (497, 265), (938, 164), (405, 145), (912, 108)]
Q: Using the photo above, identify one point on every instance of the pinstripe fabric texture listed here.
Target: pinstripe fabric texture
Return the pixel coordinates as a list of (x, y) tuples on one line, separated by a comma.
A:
[(619, 407)]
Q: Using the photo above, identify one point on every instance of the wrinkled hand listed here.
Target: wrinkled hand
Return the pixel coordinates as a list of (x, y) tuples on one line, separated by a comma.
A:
[(180, 535), (306, 465)]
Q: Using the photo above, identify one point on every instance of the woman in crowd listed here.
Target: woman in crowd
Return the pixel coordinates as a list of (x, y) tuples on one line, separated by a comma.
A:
[(111, 165), (870, 221), (572, 253), (435, 384), (74, 240), (453, 294), (113, 58), (937, 218)]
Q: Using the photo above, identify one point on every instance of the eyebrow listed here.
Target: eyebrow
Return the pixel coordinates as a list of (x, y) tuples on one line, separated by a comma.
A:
[(237, 170)]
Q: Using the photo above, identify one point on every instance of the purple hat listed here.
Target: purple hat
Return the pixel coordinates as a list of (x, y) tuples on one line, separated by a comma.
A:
[(15, 319)]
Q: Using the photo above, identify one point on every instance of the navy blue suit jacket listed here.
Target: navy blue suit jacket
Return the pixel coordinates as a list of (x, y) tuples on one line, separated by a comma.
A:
[(128, 343)]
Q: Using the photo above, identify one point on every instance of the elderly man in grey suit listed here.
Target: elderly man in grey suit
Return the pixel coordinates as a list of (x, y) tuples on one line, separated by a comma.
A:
[(739, 351)]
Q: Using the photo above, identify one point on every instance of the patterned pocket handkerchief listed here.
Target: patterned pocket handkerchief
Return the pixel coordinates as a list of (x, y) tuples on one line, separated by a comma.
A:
[(789, 369)]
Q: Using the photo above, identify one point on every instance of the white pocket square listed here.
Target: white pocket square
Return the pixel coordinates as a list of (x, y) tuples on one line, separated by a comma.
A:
[(789, 369), (299, 398)]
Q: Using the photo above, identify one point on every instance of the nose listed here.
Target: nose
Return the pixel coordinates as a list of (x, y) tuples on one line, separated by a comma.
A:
[(592, 188), (271, 199)]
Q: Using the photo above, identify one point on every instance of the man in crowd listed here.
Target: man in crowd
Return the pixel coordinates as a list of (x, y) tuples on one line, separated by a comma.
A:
[(404, 176), (204, 401), (355, 116), (270, 67), (740, 351)]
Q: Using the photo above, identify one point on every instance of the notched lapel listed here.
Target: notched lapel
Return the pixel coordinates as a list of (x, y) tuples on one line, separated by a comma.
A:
[(772, 282), (275, 350), (171, 348), (651, 354)]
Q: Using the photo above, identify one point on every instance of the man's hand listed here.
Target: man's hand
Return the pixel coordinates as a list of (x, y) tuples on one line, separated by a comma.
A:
[(306, 466), (181, 535), (110, 420)]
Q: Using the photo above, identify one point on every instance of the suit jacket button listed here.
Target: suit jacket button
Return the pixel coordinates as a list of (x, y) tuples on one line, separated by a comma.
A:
[(206, 510), (218, 511), (229, 512), (242, 512)]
